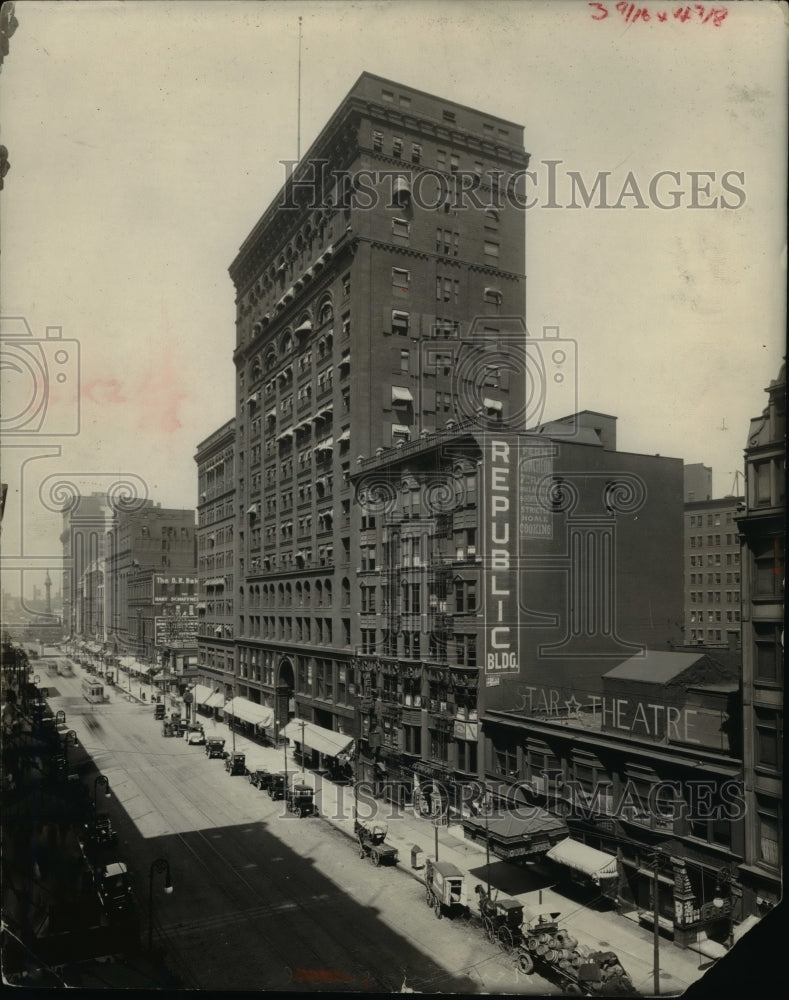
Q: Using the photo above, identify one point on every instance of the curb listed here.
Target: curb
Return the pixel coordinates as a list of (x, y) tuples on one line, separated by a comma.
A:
[(399, 866)]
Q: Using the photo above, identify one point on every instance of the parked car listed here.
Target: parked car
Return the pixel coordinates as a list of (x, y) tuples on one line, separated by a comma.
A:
[(301, 800), (214, 748), (236, 764), (277, 786), (158, 711), (114, 888), (260, 779), (167, 728), (101, 831), (195, 736)]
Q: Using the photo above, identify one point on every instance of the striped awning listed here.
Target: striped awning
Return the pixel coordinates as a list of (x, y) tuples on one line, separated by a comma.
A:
[(584, 859), (249, 711), (325, 741)]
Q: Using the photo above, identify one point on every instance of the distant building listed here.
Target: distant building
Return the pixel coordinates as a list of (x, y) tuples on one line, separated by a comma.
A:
[(216, 570), (712, 572), (86, 524), (762, 524), (698, 482), (143, 542)]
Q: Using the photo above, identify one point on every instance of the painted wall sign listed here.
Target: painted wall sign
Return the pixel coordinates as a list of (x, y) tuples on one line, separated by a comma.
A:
[(501, 577), (639, 718)]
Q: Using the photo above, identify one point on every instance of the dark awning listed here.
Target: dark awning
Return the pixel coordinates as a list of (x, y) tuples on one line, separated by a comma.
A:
[(518, 834)]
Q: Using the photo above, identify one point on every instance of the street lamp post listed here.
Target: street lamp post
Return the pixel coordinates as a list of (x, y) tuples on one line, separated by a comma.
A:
[(105, 781), (158, 865)]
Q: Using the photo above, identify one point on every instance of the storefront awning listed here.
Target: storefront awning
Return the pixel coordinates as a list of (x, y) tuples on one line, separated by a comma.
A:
[(249, 711), (202, 694), (582, 858), (530, 831), (325, 741), (129, 662), (215, 700)]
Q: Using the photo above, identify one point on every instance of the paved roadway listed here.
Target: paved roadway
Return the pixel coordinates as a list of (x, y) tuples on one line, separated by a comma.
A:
[(263, 900)]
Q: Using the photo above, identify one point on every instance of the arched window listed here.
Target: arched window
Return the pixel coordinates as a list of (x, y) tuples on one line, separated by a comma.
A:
[(326, 312), (286, 346), (307, 595), (299, 595), (318, 594)]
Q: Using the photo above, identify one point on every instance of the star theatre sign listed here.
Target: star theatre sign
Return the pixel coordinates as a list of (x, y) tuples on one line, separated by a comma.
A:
[(501, 577)]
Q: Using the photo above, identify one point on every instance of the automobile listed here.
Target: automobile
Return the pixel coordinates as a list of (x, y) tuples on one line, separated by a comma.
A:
[(214, 748), (101, 830), (236, 764), (301, 800), (195, 736), (277, 786), (114, 888), (260, 779), (158, 712), (167, 728)]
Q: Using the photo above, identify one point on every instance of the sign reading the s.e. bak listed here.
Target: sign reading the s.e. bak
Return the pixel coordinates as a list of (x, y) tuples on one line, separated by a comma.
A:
[(500, 585)]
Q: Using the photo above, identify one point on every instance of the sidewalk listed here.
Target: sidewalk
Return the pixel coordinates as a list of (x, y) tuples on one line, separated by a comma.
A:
[(603, 930)]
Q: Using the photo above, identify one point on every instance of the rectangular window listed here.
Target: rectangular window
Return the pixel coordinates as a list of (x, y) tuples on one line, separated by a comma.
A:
[(378, 141), (404, 359), (400, 279), (400, 229), (416, 153), (491, 248), (769, 848), (397, 147), (400, 323)]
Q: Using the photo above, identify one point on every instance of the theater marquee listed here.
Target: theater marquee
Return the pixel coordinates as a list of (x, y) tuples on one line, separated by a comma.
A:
[(501, 578)]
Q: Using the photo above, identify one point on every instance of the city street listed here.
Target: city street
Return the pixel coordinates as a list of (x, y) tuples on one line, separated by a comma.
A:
[(263, 900)]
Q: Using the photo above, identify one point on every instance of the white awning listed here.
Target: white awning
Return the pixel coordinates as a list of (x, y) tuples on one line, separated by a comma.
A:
[(272, 414), (249, 711), (345, 436), (202, 694), (285, 434), (491, 404), (128, 662), (492, 293), (325, 741), (216, 581), (254, 397), (401, 429), (581, 858), (304, 327), (400, 394), (215, 700), (326, 445), (325, 412), (253, 509)]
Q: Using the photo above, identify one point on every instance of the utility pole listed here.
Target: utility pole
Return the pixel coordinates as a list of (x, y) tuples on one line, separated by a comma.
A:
[(656, 923), (303, 773)]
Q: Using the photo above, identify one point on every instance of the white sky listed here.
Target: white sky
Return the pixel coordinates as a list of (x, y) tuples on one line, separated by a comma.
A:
[(144, 141)]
